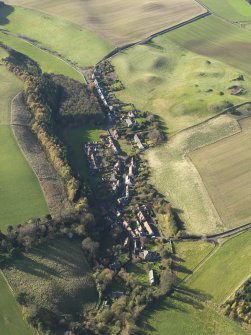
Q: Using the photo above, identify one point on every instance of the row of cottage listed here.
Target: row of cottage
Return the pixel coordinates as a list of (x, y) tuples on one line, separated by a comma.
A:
[(121, 182), (129, 119)]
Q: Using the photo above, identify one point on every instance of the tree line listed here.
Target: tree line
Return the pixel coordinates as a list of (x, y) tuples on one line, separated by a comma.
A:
[(53, 99)]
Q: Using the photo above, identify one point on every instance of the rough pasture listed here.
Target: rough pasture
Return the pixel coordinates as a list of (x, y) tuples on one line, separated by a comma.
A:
[(224, 168), (182, 87), (120, 21), (55, 276)]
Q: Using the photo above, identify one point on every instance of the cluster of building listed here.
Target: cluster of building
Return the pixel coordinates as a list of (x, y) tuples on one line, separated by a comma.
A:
[(121, 182), (91, 150)]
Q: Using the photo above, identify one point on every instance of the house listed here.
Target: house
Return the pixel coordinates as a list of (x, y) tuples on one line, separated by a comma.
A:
[(141, 216), (129, 122), (115, 134), (127, 192), (130, 174), (116, 186), (115, 266), (138, 142), (151, 277), (136, 246), (117, 166), (148, 228), (117, 294), (150, 255), (126, 243), (128, 181), (131, 114)]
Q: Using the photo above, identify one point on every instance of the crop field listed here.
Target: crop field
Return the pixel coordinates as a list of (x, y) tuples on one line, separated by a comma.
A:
[(21, 197), (229, 267), (11, 322), (54, 275), (182, 87), (224, 169), (119, 21), (230, 9), (175, 176), (216, 38), (71, 41)]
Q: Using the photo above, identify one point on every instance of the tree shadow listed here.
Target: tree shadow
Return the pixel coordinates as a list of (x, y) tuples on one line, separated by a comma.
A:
[(180, 268), (5, 11)]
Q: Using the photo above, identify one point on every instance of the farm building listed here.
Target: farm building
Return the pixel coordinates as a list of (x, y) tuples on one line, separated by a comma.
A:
[(128, 181), (151, 277), (129, 122), (150, 255), (148, 228), (130, 174), (138, 142)]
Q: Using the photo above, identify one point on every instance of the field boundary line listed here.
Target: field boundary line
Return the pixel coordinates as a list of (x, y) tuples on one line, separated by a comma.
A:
[(225, 111), (145, 40), (202, 262)]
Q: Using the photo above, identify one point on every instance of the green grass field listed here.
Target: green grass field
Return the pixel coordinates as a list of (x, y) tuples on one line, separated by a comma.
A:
[(47, 62), (119, 21), (11, 322), (183, 314), (234, 10), (182, 87), (189, 308), (189, 255), (21, 197), (55, 276), (226, 270), (75, 138), (73, 42)]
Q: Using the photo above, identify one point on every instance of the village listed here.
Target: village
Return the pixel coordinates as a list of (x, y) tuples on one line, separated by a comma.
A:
[(122, 173)]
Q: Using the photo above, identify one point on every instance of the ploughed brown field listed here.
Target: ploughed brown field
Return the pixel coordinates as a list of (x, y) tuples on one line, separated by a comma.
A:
[(225, 168), (119, 21)]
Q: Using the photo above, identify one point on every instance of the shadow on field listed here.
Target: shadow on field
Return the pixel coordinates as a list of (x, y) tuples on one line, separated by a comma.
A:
[(26, 264), (180, 301), (5, 10)]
